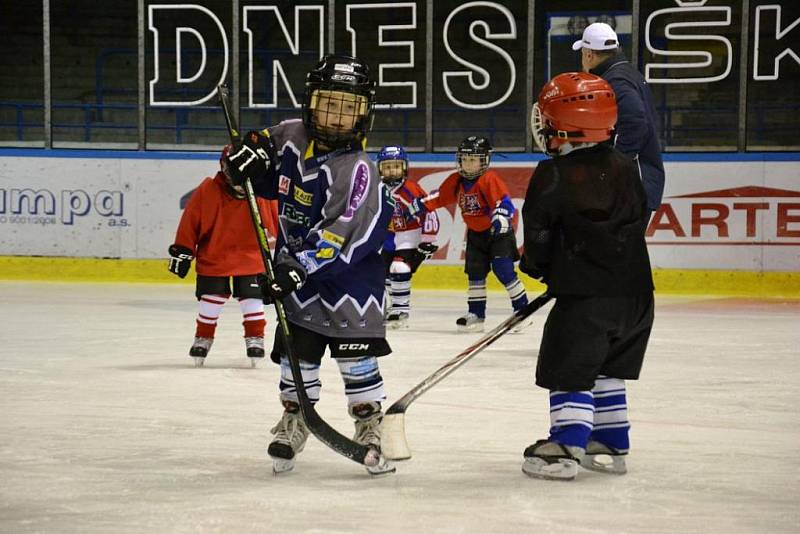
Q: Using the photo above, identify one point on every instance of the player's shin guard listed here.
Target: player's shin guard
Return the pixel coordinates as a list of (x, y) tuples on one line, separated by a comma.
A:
[(503, 269), (362, 379), (609, 441), (364, 390), (210, 308), (571, 417), (401, 292), (476, 297), (310, 372)]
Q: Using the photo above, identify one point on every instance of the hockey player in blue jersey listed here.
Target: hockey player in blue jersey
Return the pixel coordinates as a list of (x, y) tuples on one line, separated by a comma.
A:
[(411, 239), (334, 212)]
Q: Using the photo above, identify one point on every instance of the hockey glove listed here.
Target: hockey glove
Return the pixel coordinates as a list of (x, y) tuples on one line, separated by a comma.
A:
[(501, 221), (416, 208), (426, 250), (252, 158), (180, 258), (532, 270), (287, 279)]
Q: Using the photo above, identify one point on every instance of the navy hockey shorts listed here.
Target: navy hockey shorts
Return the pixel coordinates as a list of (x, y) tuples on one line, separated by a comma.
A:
[(589, 336), (310, 346), (410, 255), (244, 287), (482, 247)]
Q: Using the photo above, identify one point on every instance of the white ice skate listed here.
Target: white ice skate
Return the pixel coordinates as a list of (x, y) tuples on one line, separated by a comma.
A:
[(604, 459), (255, 349), (397, 320), (470, 323), (368, 420), (200, 349), (551, 461), (291, 434)]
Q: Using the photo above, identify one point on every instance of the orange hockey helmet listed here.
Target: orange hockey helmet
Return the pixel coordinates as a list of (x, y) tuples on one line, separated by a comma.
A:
[(574, 107)]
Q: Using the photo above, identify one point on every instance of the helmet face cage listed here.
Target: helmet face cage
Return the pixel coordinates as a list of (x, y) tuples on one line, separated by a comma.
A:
[(539, 129), (393, 171), (339, 101), (473, 157)]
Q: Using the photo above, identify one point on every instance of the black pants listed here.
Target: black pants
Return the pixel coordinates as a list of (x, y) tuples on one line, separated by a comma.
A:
[(483, 247), (310, 346), (589, 336), (244, 287)]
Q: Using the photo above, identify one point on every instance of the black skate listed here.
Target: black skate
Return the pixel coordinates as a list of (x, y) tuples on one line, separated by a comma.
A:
[(291, 434), (200, 349), (551, 460), (255, 349)]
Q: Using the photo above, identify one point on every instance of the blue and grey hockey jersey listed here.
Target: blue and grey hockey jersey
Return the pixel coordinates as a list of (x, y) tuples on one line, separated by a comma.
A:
[(334, 213)]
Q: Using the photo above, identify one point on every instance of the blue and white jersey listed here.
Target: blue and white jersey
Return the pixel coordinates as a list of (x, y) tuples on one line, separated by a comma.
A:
[(334, 213)]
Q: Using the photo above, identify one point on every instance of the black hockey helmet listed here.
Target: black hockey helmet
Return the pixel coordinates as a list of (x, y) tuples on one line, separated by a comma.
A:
[(474, 146), (347, 80)]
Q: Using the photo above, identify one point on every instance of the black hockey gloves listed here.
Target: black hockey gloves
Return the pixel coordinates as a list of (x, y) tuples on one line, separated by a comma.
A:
[(180, 259), (287, 279), (252, 158), (426, 250)]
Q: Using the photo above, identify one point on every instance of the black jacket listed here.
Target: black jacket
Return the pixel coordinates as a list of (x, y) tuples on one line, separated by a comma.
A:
[(636, 124), (584, 220)]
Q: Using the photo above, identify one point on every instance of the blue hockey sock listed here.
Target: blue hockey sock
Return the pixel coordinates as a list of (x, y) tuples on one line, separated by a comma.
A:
[(476, 297), (611, 426), (571, 417), (503, 269)]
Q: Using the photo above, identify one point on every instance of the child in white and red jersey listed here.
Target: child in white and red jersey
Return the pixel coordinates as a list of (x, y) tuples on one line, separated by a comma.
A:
[(488, 213), (410, 240), (216, 229)]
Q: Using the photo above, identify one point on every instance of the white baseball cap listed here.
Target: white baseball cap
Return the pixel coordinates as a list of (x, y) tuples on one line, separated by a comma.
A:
[(597, 36)]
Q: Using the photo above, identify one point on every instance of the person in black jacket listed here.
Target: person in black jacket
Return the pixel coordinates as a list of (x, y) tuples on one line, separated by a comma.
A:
[(636, 130), (584, 221)]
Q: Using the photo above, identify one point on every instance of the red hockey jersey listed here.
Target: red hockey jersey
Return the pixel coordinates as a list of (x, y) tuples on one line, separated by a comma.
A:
[(219, 229), (477, 199), (403, 221)]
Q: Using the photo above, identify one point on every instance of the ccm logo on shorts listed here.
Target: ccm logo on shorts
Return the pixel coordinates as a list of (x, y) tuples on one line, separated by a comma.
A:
[(353, 346)]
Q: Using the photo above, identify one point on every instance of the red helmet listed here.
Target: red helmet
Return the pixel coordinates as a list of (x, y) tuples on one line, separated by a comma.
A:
[(574, 107)]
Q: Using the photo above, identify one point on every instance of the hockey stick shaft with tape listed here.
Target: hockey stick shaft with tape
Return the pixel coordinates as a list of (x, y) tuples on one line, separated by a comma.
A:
[(393, 443), (321, 429)]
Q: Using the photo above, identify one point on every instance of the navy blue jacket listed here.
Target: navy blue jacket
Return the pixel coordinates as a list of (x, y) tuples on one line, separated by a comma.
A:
[(636, 124)]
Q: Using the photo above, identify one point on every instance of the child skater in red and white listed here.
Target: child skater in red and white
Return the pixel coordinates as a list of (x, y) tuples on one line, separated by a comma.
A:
[(216, 230), (488, 213)]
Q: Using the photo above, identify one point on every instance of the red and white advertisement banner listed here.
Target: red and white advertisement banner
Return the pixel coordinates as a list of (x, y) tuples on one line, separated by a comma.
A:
[(715, 215)]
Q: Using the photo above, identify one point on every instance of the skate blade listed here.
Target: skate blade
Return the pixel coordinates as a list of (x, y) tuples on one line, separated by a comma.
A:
[(254, 362), (198, 361), (565, 470), (394, 445), (383, 468), (397, 325), (281, 465), (604, 463), (521, 326), (471, 328)]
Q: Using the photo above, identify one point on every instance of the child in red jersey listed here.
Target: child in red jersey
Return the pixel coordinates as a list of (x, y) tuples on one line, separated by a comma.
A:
[(487, 211), (215, 228)]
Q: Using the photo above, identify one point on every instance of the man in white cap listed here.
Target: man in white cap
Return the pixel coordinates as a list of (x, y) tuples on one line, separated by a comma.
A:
[(636, 130)]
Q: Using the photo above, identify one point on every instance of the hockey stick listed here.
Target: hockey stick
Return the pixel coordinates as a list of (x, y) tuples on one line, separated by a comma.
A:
[(322, 430), (393, 442)]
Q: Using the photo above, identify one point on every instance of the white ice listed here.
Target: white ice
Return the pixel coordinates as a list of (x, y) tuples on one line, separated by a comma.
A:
[(105, 426)]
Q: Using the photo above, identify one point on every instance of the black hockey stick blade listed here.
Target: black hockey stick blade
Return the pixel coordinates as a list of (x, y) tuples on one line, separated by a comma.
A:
[(394, 444), (322, 430)]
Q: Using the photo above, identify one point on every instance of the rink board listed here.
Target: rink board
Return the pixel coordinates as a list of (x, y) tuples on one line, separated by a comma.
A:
[(739, 212)]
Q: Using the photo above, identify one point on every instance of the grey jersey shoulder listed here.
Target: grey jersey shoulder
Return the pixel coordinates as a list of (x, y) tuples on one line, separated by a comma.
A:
[(289, 131)]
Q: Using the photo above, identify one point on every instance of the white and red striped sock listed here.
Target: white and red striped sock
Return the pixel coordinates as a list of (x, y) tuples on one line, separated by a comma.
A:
[(254, 318), (210, 310)]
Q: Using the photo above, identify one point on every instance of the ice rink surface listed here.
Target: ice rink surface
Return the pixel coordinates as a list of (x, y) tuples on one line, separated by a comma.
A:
[(105, 426)]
